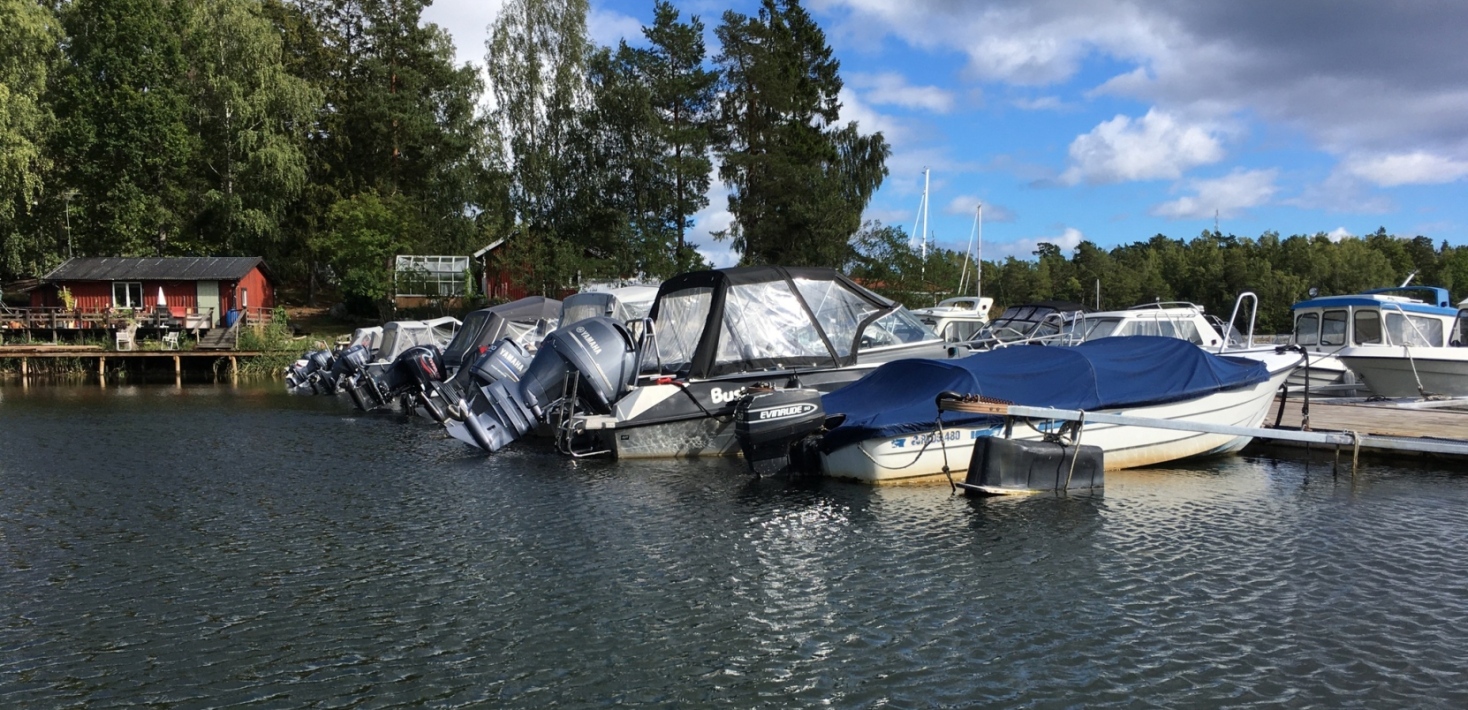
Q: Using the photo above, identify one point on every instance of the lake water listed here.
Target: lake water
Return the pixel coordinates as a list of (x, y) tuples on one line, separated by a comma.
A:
[(211, 546)]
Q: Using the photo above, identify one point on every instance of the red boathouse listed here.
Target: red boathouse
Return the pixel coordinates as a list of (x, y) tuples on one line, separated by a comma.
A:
[(207, 287)]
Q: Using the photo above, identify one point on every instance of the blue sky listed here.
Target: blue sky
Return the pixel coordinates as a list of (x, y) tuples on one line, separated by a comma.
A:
[(1113, 121)]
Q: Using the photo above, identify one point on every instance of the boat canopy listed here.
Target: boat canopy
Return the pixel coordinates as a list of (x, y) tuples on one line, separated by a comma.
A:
[(749, 319), (1432, 299), (400, 335), (520, 320), (901, 397), (620, 304)]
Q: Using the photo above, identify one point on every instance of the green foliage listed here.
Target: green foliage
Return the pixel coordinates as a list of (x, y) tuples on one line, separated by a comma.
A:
[(798, 182), (273, 337), (30, 36), (364, 233)]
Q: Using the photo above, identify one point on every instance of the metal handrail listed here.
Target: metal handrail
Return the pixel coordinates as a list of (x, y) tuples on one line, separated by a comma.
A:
[(1253, 314)]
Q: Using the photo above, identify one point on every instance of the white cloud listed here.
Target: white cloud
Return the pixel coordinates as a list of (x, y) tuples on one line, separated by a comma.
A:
[(1040, 103), (468, 22), (1225, 196), (966, 204), (714, 217), (1338, 234), (608, 27), (1156, 146), (892, 89), (1067, 240), (1414, 168)]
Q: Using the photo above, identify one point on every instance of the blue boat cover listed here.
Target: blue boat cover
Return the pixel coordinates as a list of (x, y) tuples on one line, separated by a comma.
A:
[(901, 397)]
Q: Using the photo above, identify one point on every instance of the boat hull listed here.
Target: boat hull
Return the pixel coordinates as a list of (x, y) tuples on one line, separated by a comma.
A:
[(1389, 373), (921, 457)]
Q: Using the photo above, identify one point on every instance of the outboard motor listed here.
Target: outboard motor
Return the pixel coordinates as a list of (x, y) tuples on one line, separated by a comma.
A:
[(414, 373), (301, 375), (597, 355), (344, 370), (769, 422), (505, 360)]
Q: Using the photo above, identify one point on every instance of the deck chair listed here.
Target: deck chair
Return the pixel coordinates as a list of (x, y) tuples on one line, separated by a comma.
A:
[(126, 337), (170, 340)]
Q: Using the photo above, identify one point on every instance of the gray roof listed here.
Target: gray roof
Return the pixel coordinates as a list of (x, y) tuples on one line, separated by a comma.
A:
[(186, 268)]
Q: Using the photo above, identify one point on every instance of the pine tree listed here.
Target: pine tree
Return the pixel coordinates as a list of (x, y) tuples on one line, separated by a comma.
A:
[(798, 181)]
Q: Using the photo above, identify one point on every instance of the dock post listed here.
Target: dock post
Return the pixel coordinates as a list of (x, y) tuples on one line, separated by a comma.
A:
[(102, 370), (24, 368), (234, 370), (177, 371)]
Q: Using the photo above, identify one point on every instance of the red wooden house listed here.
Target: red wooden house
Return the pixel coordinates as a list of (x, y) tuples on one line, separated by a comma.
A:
[(203, 290)]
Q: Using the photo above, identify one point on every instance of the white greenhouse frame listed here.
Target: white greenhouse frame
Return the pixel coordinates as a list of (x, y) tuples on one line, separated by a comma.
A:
[(430, 276)]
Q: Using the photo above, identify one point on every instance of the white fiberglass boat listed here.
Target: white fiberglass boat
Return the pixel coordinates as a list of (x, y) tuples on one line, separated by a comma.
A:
[(1324, 325), (1403, 369), (889, 430)]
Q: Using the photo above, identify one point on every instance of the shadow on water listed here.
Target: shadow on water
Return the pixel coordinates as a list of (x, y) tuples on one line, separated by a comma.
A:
[(218, 546)]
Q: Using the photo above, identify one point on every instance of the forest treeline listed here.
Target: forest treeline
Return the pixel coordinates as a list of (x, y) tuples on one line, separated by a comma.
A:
[(330, 135)]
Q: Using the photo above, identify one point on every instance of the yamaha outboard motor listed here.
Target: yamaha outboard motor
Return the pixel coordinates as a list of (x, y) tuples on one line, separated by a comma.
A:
[(347, 364), (597, 356), (301, 375), (505, 359), (769, 422)]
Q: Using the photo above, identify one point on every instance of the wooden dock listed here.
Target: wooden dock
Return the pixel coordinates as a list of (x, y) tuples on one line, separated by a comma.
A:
[(1441, 428), (138, 359)]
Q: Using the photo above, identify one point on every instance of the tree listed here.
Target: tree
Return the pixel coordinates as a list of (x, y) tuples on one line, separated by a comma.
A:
[(30, 34), (124, 137), (798, 183), (537, 62), (253, 118), (363, 235)]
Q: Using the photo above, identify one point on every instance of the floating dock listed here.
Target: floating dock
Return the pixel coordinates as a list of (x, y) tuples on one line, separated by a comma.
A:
[(1432, 427)]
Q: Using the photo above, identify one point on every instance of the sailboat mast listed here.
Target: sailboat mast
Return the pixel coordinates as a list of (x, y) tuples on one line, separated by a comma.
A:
[(979, 260), (925, 218)]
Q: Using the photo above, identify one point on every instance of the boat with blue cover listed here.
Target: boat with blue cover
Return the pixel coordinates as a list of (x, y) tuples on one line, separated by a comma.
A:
[(885, 428)]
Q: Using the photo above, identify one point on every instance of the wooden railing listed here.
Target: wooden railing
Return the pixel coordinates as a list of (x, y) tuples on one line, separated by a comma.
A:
[(56, 318)]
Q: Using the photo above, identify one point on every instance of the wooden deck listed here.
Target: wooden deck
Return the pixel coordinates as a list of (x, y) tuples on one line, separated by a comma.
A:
[(26, 353), (1406, 419)]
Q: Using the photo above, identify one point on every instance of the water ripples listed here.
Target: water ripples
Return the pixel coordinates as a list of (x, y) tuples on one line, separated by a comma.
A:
[(210, 547)]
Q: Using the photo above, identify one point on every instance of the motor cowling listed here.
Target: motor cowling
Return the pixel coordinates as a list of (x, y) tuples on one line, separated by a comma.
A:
[(769, 422), (598, 352), (344, 368)]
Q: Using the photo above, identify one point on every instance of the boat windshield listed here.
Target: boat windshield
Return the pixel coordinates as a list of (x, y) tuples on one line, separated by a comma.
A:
[(681, 319), (1460, 330), (468, 336), (837, 309), (1418, 331), (896, 328), (764, 324)]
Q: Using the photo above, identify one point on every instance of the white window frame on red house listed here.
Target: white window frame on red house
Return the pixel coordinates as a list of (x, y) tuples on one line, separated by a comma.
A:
[(129, 289)]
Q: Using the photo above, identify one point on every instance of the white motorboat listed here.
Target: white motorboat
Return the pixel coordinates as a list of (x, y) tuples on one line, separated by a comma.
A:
[(957, 319), (1404, 369), (886, 427), (1326, 324)]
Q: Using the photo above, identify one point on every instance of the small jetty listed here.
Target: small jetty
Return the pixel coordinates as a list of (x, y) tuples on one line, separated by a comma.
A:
[(32, 360), (1432, 428)]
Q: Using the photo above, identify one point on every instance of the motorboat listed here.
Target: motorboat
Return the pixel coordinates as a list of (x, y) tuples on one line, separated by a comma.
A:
[(886, 428), (1174, 319), (400, 335), (957, 319), (525, 321), (710, 334), (1021, 324), (1398, 367), (620, 303), (1418, 316)]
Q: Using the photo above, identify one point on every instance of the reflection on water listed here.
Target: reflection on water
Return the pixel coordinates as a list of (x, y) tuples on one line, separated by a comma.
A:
[(216, 546)]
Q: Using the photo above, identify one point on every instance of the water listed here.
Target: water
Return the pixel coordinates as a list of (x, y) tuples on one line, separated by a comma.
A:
[(208, 546)]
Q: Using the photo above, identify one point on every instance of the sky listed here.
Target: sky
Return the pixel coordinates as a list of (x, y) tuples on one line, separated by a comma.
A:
[(1113, 121)]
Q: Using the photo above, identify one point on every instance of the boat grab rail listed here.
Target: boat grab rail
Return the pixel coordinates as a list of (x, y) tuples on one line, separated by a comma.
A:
[(1253, 314)]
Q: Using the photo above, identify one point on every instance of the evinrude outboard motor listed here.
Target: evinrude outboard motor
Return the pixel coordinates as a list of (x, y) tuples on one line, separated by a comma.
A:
[(768, 422), (598, 352)]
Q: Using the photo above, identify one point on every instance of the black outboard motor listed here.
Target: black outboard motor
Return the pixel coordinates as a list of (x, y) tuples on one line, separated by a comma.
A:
[(413, 373), (598, 352), (768, 422)]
